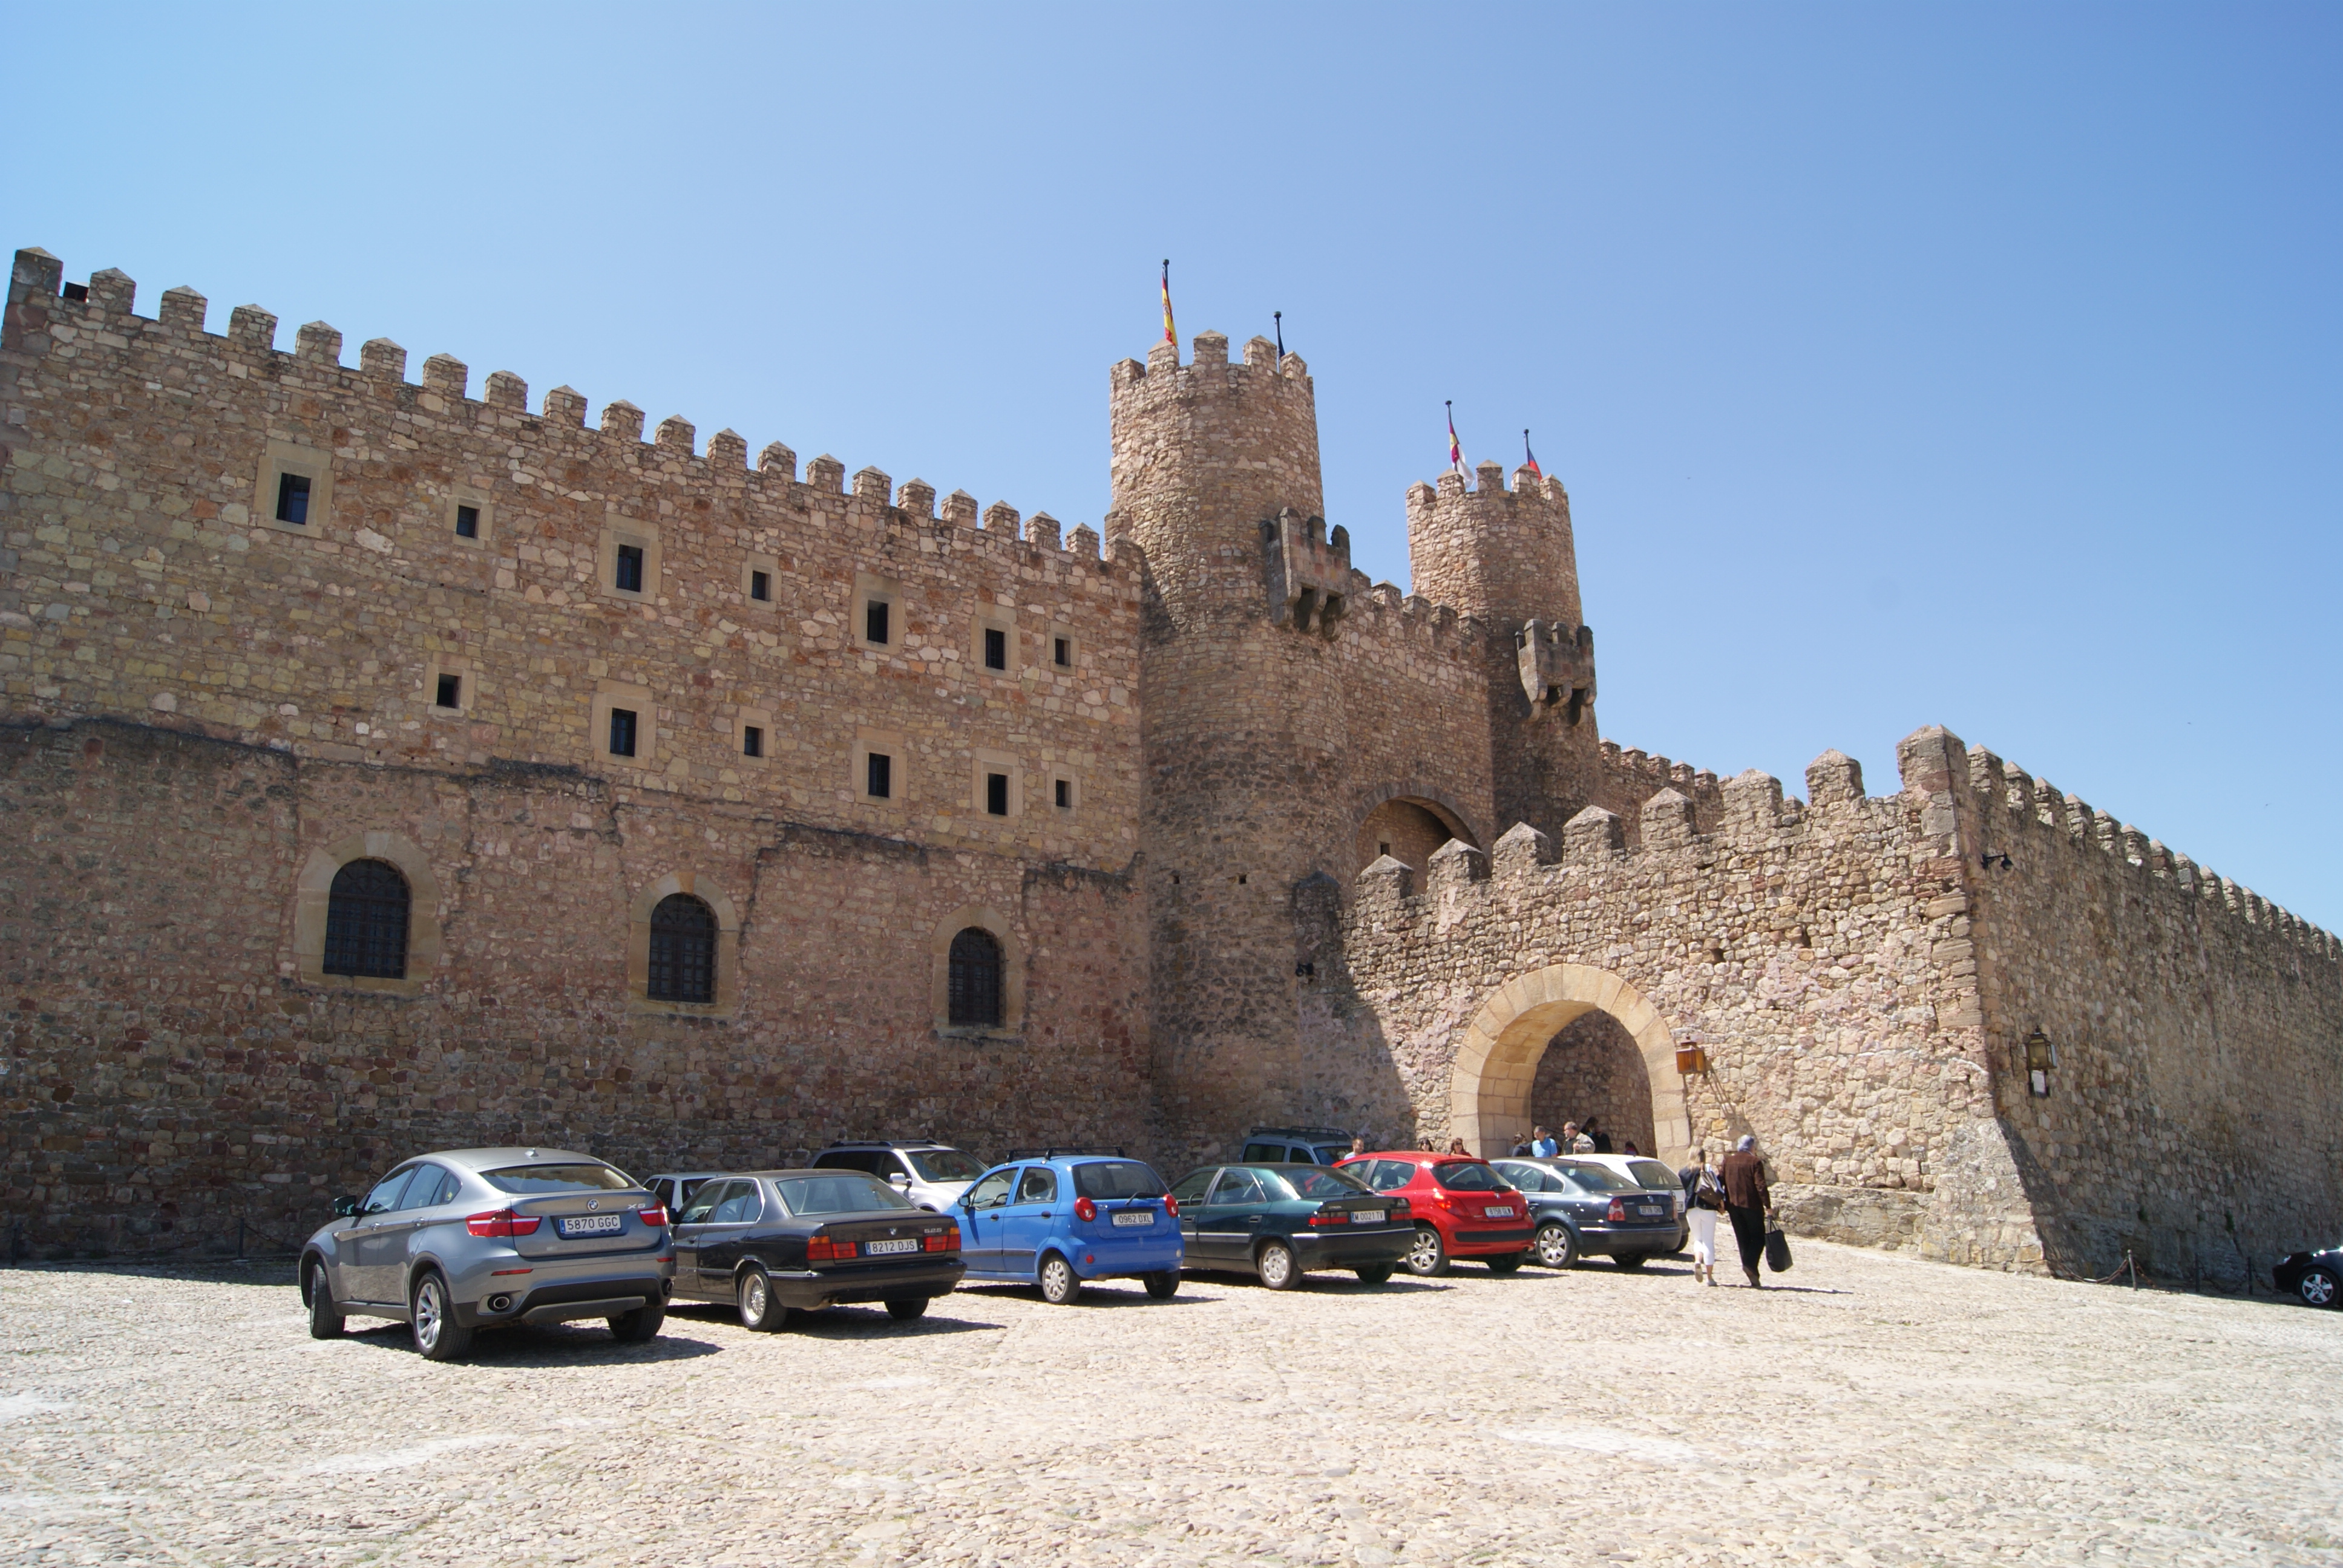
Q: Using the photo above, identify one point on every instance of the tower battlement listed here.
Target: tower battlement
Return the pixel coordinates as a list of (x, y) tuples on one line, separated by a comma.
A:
[(1504, 552)]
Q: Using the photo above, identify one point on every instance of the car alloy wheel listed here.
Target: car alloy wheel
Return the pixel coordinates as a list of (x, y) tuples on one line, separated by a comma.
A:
[(325, 1322), (758, 1311), (1276, 1266), (437, 1334), (1428, 1254), (2317, 1288), (1556, 1247), (1059, 1284)]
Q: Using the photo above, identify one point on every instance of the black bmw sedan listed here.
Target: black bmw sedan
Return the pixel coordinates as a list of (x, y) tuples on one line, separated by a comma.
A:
[(2315, 1279), (1586, 1209), (774, 1243)]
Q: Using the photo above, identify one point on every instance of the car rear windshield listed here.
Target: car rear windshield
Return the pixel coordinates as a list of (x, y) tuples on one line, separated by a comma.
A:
[(1598, 1179), (593, 1178), (1652, 1173), (1319, 1185), (1460, 1177), (1116, 1179), (944, 1164), (843, 1193)]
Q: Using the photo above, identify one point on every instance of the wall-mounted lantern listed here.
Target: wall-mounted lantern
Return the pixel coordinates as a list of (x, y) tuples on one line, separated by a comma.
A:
[(1691, 1058), (2040, 1058)]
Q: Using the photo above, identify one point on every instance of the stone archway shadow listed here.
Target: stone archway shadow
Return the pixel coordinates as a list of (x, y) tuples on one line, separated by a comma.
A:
[(1497, 1060)]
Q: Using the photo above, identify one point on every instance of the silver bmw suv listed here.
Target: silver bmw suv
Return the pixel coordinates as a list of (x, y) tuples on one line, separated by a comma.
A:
[(478, 1237)]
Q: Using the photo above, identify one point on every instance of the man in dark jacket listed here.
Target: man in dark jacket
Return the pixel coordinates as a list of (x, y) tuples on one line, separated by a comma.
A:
[(1747, 1200)]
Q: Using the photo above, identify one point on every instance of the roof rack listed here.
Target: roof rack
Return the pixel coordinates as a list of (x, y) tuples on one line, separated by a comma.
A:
[(1063, 1151), (1306, 1132)]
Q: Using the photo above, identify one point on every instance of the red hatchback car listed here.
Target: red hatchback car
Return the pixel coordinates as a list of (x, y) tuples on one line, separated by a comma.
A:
[(1462, 1207)]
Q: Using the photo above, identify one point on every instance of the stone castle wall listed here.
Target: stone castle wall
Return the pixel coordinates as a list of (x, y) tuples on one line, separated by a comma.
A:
[(202, 704), (205, 711), (2194, 1116)]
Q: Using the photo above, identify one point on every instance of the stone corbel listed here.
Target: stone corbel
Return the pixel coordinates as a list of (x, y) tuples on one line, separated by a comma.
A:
[(1308, 574), (1557, 667)]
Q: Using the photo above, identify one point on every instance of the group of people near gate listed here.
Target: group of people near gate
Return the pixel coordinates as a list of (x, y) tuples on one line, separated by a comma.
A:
[(1736, 1188)]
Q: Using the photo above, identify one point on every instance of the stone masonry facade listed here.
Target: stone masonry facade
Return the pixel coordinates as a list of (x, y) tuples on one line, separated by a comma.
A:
[(1257, 839)]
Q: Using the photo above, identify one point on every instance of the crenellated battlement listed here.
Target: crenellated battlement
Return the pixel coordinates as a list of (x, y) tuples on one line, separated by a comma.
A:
[(1505, 551), (2025, 813), (39, 309)]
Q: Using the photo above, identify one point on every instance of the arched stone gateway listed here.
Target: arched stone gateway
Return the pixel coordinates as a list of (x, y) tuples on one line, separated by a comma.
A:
[(1497, 1060)]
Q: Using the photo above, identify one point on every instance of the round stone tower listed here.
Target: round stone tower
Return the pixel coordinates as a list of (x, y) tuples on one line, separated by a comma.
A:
[(1506, 556), (1216, 480)]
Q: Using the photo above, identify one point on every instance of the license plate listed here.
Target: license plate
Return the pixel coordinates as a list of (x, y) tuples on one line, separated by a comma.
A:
[(593, 1225), (1366, 1216), (1651, 1211), (1135, 1217), (1497, 1211), (880, 1248)]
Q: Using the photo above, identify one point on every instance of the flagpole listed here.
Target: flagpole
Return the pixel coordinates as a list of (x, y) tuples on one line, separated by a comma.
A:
[(1279, 317)]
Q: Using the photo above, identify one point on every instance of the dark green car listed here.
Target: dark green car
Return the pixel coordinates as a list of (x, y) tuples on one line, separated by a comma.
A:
[(1280, 1221)]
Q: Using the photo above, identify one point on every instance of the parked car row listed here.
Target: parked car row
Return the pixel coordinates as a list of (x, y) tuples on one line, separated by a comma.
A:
[(466, 1239)]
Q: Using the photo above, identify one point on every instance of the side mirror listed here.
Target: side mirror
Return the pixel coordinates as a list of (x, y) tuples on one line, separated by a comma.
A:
[(898, 1180), (345, 1206)]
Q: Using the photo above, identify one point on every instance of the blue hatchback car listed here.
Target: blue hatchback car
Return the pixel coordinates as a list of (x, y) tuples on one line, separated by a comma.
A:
[(1057, 1221)]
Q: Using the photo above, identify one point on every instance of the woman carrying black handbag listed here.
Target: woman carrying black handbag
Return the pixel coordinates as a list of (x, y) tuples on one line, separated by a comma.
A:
[(1748, 1203)]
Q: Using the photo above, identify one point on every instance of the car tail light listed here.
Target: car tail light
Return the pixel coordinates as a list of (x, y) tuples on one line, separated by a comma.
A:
[(502, 1222), (655, 1216), (1399, 1205), (1170, 1207), (825, 1249), (1618, 1212), (944, 1241), (1085, 1211), (1330, 1217)]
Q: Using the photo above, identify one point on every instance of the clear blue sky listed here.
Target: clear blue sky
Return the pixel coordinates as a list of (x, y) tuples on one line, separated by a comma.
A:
[(1971, 365)]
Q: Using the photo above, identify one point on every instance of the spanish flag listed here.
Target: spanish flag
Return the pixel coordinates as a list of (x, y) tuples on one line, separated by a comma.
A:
[(1169, 336), (1456, 447)]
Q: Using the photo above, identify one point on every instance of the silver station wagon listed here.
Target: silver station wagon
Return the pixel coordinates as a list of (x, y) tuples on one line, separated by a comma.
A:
[(470, 1239)]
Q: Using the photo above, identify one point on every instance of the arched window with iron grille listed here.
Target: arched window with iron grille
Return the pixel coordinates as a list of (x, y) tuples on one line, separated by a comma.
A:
[(975, 982), (683, 950), (366, 921)]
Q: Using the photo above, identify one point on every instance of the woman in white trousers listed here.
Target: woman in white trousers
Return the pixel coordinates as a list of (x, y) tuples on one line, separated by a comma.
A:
[(1704, 1200)]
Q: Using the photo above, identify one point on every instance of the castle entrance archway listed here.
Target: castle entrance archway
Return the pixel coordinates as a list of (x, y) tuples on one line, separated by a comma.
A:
[(1492, 1082)]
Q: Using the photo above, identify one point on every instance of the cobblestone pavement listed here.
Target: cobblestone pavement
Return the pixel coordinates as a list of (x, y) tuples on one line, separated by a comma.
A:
[(1876, 1411)]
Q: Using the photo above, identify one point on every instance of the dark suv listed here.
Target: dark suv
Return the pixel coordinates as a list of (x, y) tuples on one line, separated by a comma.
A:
[(1296, 1146)]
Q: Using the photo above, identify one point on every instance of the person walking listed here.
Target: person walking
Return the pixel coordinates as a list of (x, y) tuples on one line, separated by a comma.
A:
[(1358, 1146), (1575, 1141), (1542, 1146), (1704, 1199), (1747, 1200), (1600, 1139), (1456, 1146)]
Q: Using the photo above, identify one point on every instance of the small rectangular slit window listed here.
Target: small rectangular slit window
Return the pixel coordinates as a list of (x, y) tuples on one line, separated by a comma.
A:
[(451, 691), (996, 648), (1065, 794), (467, 522), (761, 585), (878, 781), (752, 740), (628, 576), (996, 794), (1062, 652), (622, 732), (874, 621), (293, 498)]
